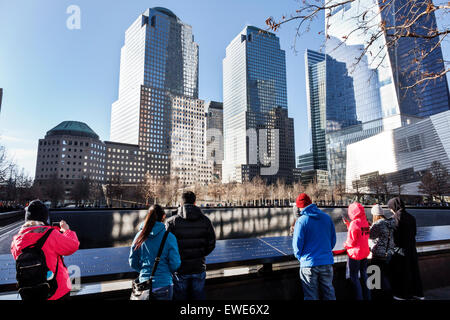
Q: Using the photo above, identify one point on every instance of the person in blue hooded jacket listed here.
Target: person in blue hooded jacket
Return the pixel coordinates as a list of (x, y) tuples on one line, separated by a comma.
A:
[(145, 248), (313, 241)]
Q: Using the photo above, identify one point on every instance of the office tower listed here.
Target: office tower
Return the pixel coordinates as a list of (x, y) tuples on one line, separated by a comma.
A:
[(306, 162), (378, 82), (315, 69), (158, 60), (330, 100), (331, 105), (254, 102), (188, 160), (127, 164), (281, 146), (214, 137), (381, 79), (415, 56)]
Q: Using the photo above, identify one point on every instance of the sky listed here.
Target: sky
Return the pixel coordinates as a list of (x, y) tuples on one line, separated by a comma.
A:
[(50, 73)]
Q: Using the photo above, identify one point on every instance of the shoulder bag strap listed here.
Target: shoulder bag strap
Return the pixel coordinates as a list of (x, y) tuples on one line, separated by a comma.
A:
[(158, 256), (39, 244)]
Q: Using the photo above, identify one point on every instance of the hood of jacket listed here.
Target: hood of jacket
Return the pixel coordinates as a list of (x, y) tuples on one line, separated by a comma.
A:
[(190, 212), (396, 204), (311, 211), (157, 228), (356, 211)]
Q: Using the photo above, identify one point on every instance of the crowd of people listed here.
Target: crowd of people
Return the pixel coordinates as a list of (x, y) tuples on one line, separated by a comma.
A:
[(169, 254), (7, 207), (390, 238)]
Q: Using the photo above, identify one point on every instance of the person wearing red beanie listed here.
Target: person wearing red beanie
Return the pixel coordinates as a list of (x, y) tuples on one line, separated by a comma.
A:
[(303, 200), (313, 241)]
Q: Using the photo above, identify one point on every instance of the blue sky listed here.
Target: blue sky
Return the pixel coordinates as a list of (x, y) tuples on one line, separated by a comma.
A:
[(51, 74)]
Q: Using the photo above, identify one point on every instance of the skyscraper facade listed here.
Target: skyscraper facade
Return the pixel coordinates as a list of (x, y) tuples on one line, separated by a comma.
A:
[(188, 160), (413, 57), (408, 152), (378, 79), (330, 100), (254, 93), (214, 136), (315, 69), (159, 61)]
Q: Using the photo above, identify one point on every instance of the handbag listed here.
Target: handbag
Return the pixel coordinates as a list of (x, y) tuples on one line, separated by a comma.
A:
[(143, 290)]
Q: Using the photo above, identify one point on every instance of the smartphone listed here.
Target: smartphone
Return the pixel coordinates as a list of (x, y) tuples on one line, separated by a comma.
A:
[(55, 224)]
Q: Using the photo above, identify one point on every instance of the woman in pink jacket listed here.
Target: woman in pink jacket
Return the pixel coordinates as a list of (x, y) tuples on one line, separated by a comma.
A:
[(357, 246), (61, 242)]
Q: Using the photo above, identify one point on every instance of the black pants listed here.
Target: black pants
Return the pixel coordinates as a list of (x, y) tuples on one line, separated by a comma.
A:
[(385, 292)]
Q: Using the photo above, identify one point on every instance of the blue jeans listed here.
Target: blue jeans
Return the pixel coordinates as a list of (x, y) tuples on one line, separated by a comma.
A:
[(317, 279), (357, 269), (163, 293), (189, 286)]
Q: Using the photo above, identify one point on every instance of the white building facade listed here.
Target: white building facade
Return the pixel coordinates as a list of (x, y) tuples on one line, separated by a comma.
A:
[(402, 153)]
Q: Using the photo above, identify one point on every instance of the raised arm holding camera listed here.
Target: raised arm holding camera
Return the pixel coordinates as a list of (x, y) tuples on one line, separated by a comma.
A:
[(38, 250)]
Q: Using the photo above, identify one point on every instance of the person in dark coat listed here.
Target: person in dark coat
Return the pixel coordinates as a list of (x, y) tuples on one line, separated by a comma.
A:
[(196, 239), (406, 281)]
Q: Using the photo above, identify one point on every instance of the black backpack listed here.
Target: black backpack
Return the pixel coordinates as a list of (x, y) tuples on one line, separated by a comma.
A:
[(32, 272)]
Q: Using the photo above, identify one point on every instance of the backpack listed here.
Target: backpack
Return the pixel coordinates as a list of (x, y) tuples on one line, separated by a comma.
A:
[(34, 279)]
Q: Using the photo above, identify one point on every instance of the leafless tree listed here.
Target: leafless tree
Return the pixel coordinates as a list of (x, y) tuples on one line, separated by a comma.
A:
[(398, 187), (435, 181), (428, 185), (339, 191), (147, 189), (259, 189), (393, 20), (297, 188), (315, 190), (116, 188), (442, 178), (173, 191), (6, 165), (81, 190), (375, 185), (357, 187), (54, 190), (281, 191)]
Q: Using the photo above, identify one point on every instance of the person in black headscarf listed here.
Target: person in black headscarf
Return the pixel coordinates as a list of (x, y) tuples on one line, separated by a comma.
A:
[(406, 281)]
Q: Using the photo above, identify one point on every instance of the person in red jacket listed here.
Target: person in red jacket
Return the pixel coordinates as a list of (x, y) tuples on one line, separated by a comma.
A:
[(61, 242), (357, 246)]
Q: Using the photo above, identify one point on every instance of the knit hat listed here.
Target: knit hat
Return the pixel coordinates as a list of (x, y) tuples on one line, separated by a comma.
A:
[(303, 200), (377, 210), (36, 211)]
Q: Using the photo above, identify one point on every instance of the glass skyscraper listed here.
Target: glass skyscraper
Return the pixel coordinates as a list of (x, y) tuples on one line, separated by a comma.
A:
[(413, 57), (255, 99), (378, 81), (159, 61), (330, 100)]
